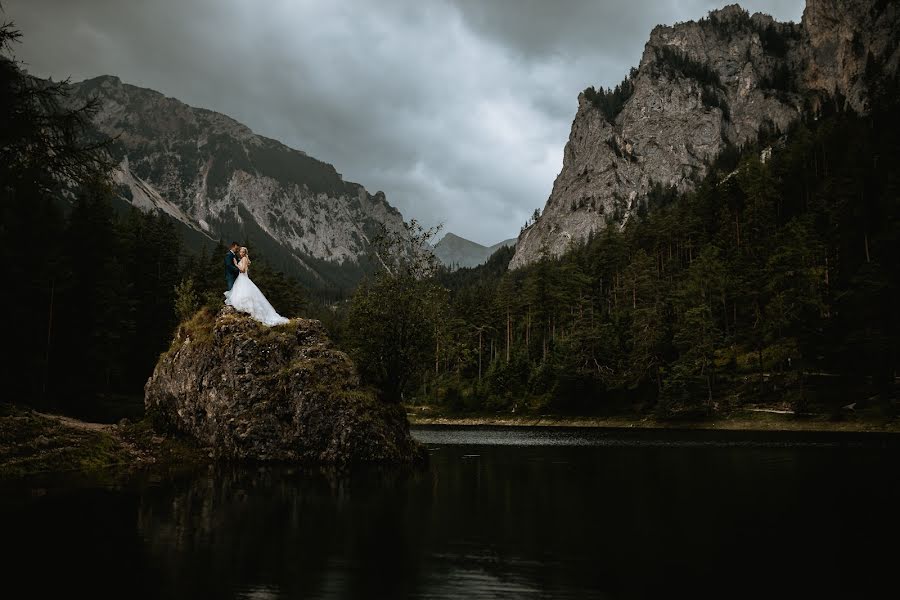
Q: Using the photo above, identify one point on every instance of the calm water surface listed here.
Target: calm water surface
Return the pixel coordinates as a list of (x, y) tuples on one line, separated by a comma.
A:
[(499, 513)]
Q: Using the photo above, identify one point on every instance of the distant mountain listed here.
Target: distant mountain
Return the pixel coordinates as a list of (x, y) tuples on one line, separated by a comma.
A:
[(456, 252), (219, 180)]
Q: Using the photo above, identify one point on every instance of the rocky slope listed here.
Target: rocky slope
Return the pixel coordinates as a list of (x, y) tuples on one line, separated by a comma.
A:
[(218, 178), (701, 86), (457, 252), (281, 393)]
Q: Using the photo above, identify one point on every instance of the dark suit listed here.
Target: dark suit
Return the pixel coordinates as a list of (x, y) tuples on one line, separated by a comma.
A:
[(231, 271)]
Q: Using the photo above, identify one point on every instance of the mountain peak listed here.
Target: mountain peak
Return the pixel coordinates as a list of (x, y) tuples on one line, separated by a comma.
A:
[(457, 252), (112, 79), (730, 12)]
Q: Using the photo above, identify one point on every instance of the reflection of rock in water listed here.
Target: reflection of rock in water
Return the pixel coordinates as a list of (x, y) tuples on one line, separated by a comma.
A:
[(298, 531)]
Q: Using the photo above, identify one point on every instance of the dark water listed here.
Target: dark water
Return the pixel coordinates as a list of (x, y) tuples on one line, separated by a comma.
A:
[(498, 513)]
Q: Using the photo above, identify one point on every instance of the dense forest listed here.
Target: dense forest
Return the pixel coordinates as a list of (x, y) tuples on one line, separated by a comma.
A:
[(775, 280)]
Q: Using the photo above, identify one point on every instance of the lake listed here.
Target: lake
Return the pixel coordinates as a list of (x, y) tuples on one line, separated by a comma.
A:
[(498, 513)]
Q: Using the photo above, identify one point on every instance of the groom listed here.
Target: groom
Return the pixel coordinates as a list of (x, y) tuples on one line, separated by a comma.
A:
[(231, 271)]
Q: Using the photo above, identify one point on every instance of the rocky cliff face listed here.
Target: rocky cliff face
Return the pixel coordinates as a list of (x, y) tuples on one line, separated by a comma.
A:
[(281, 393), (701, 86), (217, 177), (848, 44)]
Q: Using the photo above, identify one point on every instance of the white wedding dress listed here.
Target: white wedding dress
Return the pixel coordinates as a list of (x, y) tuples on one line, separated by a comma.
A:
[(246, 297)]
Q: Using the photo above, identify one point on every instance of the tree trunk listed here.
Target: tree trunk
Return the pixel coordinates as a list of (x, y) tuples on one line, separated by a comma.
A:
[(761, 375), (725, 313), (479, 356), (49, 334), (527, 330), (616, 292), (508, 334)]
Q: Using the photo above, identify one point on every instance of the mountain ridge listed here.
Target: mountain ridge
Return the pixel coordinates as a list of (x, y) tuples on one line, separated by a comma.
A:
[(701, 87), (455, 251), (219, 179)]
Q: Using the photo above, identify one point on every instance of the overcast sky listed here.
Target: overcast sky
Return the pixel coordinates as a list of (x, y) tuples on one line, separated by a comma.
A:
[(457, 109)]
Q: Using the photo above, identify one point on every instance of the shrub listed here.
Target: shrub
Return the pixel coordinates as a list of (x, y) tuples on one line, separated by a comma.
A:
[(611, 101), (676, 61), (187, 301)]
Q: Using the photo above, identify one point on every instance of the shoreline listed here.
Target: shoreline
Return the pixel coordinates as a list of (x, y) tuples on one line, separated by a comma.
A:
[(33, 443), (754, 421)]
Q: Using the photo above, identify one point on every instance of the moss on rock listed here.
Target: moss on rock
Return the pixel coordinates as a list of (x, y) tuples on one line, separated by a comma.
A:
[(273, 393)]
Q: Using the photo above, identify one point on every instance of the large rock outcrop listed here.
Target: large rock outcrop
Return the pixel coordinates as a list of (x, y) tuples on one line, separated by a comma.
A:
[(281, 394), (700, 86)]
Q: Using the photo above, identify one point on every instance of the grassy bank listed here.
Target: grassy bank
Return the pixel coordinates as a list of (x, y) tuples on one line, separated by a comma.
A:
[(33, 443)]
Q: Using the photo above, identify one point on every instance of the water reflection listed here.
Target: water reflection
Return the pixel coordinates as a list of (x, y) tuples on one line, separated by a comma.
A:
[(292, 532), (517, 518)]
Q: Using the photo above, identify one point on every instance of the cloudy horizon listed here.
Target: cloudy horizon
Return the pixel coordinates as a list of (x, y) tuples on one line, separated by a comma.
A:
[(457, 109)]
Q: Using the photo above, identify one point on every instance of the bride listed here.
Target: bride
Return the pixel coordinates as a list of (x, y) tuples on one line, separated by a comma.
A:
[(246, 297)]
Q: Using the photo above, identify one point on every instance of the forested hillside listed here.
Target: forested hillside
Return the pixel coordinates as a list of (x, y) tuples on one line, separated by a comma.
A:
[(776, 280)]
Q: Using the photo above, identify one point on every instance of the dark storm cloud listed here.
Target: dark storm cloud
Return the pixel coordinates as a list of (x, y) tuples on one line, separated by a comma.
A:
[(458, 109)]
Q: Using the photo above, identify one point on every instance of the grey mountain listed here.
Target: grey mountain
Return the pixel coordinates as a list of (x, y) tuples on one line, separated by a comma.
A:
[(700, 86), (219, 180), (456, 252)]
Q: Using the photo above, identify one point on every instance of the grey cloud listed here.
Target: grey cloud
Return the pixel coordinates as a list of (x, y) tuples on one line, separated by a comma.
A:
[(457, 109)]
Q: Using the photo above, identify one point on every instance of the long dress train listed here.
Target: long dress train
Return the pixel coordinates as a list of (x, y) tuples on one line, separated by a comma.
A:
[(246, 297)]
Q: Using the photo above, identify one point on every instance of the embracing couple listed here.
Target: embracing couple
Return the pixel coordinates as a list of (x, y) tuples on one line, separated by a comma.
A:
[(242, 293)]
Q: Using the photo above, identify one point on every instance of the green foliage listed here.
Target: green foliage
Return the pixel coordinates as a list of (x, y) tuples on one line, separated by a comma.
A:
[(187, 301), (740, 291), (42, 141), (78, 318), (393, 322), (285, 164), (775, 39), (714, 98), (727, 26), (677, 62), (781, 79), (611, 101)]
